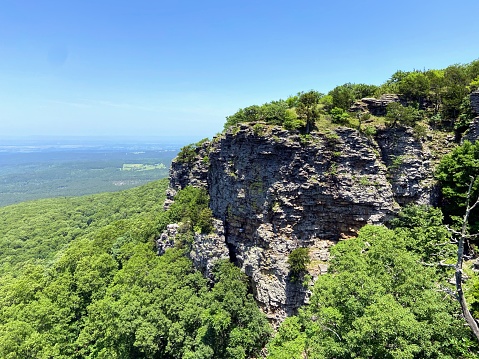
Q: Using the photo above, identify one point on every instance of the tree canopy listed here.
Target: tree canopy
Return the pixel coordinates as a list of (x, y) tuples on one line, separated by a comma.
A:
[(377, 301)]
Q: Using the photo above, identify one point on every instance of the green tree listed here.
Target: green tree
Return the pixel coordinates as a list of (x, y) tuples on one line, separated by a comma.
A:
[(191, 208), (339, 116), (247, 114), (436, 82), (298, 261), (455, 81), (307, 108), (376, 301), (414, 86), (454, 173), (232, 325), (424, 233), (343, 96), (403, 115)]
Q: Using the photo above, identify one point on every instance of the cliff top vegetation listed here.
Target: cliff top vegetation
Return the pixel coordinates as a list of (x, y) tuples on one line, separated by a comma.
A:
[(438, 98)]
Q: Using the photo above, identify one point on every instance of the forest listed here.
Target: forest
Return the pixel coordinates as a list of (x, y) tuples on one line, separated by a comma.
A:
[(80, 276)]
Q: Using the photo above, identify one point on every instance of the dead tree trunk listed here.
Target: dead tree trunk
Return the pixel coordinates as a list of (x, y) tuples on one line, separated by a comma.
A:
[(461, 239)]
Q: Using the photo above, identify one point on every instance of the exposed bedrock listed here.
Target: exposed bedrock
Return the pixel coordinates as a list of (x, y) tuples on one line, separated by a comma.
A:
[(274, 191)]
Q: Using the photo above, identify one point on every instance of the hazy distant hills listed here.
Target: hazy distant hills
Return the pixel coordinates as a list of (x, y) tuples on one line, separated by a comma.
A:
[(42, 168)]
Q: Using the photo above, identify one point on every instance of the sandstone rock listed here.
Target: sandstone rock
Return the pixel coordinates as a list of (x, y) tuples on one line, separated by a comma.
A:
[(167, 239), (209, 248), (474, 97), (473, 131), (376, 107), (408, 161), (206, 249), (275, 191)]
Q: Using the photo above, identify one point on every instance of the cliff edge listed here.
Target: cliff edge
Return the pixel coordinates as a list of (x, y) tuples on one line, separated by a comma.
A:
[(272, 191)]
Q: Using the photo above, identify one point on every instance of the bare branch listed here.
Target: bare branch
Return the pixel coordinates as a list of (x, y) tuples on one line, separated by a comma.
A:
[(461, 239), (440, 264), (448, 291), (453, 231)]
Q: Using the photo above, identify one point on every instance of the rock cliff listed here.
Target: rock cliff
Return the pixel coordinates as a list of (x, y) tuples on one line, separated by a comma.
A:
[(272, 191), (473, 132)]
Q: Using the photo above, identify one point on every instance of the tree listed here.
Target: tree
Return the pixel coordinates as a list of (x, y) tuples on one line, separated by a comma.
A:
[(461, 239), (247, 114), (191, 207), (399, 114), (339, 116), (455, 81), (436, 82), (298, 261), (307, 108), (343, 96), (376, 301), (424, 232), (454, 173), (414, 86)]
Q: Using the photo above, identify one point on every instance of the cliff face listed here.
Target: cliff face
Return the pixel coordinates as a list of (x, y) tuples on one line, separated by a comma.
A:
[(473, 133), (272, 191)]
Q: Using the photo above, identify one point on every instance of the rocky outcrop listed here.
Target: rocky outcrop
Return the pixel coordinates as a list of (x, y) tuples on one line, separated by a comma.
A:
[(474, 97), (274, 191), (374, 106), (206, 249), (409, 166), (472, 133)]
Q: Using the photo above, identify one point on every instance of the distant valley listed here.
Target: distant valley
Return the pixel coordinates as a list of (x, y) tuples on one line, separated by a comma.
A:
[(44, 168)]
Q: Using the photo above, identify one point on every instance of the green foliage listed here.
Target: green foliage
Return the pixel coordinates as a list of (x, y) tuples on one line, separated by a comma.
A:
[(369, 131), (35, 231), (191, 208), (454, 173), (259, 129), (339, 116), (274, 113), (396, 162), (307, 108), (188, 153), (344, 96), (436, 92), (232, 325), (291, 120), (298, 261), (403, 115), (474, 84), (377, 301), (326, 102), (455, 89), (289, 342), (108, 295), (424, 233), (414, 86), (247, 114), (465, 117)]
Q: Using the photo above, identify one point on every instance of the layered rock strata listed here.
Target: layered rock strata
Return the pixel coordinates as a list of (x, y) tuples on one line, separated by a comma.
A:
[(376, 107), (473, 131), (272, 191)]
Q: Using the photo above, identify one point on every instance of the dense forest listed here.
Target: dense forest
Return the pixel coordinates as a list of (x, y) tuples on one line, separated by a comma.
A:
[(80, 276)]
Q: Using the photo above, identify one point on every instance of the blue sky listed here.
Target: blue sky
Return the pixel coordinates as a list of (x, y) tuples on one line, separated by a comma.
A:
[(164, 68)]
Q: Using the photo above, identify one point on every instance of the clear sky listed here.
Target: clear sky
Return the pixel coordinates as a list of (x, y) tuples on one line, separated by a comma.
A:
[(155, 68)]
